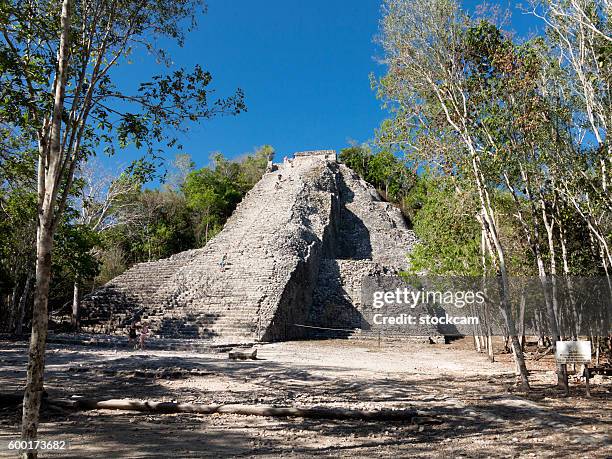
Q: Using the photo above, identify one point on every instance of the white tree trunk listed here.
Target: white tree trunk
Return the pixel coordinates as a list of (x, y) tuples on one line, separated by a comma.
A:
[(76, 304), (20, 317), (36, 363), (50, 172)]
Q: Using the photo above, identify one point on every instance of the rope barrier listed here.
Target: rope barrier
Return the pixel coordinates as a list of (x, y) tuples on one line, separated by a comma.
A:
[(326, 328)]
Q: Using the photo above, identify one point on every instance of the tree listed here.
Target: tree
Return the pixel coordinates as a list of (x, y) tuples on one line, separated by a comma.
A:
[(74, 249), (99, 196), (58, 90), (357, 158), (579, 79), (17, 244), (443, 220), (253, 166), (429, 81), (181, 166), (213, 193), (382, 169), (522, 125), (17, 228)]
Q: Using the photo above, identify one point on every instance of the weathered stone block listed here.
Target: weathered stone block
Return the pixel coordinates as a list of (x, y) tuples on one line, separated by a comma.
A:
[(293, 252)]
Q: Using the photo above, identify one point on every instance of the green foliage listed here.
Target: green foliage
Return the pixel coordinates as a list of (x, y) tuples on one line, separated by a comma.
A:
[(75, 244), (56, 75), (357, 158), (443, 220), (100, 235), (519, 125), (382, 169), (157, 223), (253, 165), (212, 194), (153, 224), (112, 264), (17, 232), (147, 118)]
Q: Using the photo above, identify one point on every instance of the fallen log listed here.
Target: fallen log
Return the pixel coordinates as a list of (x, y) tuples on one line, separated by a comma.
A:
[(240, 354), (251, 410), (541, 356)]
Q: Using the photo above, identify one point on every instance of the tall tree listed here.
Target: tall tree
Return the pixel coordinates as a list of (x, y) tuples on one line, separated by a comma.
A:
[(429, 85), (98, 196), (58, 89), (579, 82)]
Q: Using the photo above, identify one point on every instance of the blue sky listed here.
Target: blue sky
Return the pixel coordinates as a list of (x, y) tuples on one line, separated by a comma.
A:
[(304, 67)]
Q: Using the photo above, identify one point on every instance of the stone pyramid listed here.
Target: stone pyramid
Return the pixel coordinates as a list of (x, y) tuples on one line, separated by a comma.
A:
[(294, 250)]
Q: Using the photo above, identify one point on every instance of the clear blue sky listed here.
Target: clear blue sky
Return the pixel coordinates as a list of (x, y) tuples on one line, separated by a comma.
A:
[(304, 67)]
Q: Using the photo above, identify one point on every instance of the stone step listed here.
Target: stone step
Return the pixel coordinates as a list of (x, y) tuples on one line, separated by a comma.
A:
[(274, 246)]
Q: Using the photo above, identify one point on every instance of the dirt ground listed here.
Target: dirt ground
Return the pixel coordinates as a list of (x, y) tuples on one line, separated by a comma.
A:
[(480, 412)]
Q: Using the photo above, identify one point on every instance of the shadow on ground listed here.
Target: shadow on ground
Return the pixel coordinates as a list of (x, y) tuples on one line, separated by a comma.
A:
[(480, 418)]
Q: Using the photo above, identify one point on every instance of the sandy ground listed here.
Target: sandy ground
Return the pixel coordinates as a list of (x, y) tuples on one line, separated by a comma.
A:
[(481, 413)]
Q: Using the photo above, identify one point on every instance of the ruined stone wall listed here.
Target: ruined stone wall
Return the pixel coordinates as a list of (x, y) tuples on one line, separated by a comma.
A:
[(293, 251), (271, 246), (371, 240)]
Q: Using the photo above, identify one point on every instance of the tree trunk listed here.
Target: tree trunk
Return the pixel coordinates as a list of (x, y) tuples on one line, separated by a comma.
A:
[(36, 363), (554, 331), (606, 318), (521, 319), (49, 181), (553, 311), (507, 312), (76, 303), (13, 305), (491, 351), (575, 317), (252, 410), (20, 316), (540, 327), (489, 226), (475, 331)]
